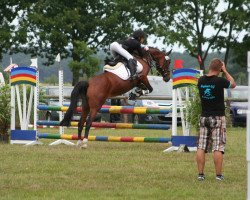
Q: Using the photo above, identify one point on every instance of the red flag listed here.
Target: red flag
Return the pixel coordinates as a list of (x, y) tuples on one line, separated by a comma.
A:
[(178, 64), (199, 59)]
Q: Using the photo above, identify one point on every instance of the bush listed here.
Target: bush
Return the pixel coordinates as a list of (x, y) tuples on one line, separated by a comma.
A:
[(5, 112), (193, 109)]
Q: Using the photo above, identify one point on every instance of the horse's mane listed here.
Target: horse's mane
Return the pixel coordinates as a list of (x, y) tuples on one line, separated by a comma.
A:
[(156, 49)]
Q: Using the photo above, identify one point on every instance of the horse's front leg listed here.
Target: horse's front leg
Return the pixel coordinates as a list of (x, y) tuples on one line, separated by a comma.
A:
[(145, 82), (143, 87)]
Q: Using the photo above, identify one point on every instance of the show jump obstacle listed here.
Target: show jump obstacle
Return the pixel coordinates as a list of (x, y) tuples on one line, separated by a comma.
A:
[(22, 79), (30, 76), (182, 79)]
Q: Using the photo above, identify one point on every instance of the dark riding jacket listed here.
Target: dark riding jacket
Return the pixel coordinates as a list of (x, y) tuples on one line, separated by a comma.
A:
[(131, 45)]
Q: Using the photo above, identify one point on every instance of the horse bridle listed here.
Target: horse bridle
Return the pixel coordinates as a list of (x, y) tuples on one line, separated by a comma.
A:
[(161, 69)]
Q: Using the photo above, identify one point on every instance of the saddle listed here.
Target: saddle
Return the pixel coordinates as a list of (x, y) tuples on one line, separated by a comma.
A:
[(115, 61)]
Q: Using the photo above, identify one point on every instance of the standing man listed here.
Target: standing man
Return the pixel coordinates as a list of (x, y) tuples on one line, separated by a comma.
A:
[(212, 135)]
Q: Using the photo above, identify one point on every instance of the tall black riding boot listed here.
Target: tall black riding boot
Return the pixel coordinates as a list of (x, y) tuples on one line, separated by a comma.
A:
[(132, 64)]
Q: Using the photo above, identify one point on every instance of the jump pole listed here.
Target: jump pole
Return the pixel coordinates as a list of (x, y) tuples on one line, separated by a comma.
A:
[(113, 109), (109, 125), (106, 138), (248, 129)]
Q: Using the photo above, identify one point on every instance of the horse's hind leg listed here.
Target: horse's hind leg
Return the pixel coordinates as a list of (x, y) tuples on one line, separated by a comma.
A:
[(89, 121), (81, 125), (85, 112)]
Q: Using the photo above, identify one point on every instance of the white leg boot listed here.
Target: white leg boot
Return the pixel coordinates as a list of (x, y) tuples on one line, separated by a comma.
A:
[(82, 143)]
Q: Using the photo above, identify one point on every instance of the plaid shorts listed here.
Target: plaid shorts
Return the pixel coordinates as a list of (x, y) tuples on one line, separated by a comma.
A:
[(212, 136)]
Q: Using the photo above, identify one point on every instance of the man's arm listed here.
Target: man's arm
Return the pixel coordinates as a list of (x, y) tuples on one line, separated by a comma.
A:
[(228, 76)]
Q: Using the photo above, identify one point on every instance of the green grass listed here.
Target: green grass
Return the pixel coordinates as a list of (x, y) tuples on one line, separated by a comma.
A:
[(119, 170)]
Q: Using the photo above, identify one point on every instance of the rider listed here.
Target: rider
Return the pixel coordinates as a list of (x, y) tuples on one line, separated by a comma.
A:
[(126, 47)]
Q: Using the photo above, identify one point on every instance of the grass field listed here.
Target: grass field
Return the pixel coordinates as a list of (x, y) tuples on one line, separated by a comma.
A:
[(119, 170)]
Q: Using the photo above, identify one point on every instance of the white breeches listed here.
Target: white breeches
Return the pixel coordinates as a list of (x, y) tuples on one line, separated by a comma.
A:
[(115, 48)]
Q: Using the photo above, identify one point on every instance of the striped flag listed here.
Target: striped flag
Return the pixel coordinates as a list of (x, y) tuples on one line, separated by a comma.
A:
[(183, 77)]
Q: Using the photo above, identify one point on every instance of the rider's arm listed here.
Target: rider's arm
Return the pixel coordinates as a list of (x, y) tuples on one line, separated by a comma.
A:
[(140, 50)]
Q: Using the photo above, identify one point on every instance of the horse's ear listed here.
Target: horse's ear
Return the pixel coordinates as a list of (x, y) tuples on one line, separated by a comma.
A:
[(168, 52)]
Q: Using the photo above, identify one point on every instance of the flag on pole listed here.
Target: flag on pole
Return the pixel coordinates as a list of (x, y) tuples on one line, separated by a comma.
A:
[(199, 59), (178, 64), (58, 58), (33, 62), (7, 69)]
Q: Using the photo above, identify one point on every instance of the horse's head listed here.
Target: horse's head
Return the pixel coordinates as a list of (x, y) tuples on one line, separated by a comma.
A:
[(162, 62)]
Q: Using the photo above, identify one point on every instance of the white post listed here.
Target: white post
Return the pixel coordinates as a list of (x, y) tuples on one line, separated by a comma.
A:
[(174, 120), (13, 108), (181, 111), (35, 95), (174, 112), (36, 100), (248, 130), (188, 126), (30, 106), (61, 128), (24, 121), (19, 106), (61, 96)]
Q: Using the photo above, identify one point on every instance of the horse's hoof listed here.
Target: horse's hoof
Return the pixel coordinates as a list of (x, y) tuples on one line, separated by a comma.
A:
[(82, 143)]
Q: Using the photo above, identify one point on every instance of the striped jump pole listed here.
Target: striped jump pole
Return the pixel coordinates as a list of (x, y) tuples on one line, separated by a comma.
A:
[(105, 138), (111, 125), (114, 109)]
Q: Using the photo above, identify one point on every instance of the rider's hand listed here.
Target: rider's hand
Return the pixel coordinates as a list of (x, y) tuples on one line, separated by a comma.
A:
[(146, 48)]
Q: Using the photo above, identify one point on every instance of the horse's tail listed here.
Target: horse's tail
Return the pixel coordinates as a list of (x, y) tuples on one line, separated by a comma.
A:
[(79, 89)]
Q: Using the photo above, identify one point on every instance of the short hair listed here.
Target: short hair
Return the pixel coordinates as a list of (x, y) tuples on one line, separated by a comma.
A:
[(215, 64)]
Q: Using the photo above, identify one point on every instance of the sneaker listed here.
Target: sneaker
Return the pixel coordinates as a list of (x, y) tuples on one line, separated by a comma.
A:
[(220, 177), (201, 177)]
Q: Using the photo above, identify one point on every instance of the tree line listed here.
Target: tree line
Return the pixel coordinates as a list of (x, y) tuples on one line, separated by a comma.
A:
[(77, 29)]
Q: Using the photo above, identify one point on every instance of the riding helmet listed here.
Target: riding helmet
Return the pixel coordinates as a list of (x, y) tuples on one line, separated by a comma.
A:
[(138, 34)]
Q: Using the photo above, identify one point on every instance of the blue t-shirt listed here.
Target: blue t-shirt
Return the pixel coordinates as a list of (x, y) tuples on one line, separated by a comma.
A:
[(211, 90)]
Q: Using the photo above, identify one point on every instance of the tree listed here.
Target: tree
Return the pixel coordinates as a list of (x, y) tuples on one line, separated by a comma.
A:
[(56, 26), (240, 50), (10, 32), (236, 14), (189, 23), (88, 64)]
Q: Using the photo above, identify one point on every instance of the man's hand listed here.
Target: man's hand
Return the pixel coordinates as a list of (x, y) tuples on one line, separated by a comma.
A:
[(223, 68)]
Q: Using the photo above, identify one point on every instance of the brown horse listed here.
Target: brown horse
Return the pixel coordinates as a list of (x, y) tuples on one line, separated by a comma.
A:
[(95, 92)]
